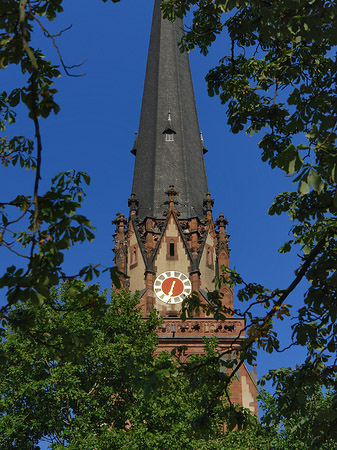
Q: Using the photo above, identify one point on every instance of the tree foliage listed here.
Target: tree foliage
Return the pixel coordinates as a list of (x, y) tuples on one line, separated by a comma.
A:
[(312, 425), (85, 375), (36, 227)]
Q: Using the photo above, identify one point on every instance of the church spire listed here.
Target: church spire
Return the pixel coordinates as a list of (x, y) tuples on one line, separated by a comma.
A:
[(171, 246), (169, 147)]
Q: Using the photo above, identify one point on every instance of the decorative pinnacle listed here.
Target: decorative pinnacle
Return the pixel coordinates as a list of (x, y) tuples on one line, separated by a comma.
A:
[(221, 221), (208, 202), (133, 202), (120, 220)]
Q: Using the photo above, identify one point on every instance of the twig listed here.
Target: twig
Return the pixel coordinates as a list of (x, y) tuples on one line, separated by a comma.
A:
[(285, 348), (18, 219), (61, 32), (12, 250), (52, 37), (310, 258)]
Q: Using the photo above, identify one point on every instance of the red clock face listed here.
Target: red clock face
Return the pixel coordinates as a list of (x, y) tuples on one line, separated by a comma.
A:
[(172, 287)]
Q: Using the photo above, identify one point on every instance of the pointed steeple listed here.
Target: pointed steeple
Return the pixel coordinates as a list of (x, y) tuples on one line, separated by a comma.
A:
[(171, 245), (169, 148)]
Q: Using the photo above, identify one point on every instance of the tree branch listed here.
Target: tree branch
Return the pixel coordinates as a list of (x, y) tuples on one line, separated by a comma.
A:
[(52, 37), (310, 258)]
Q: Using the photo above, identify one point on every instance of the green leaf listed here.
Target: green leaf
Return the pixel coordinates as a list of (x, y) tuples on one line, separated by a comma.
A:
[(37, 298), (304, 187), (315, 180), (290, 160), (89, 234), (306, 250), (4, 220), (286, 247), (114, 275), (86, 178)]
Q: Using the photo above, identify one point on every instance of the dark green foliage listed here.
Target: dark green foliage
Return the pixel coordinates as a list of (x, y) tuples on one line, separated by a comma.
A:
[(80, 372), (70, 373), (305, 424)]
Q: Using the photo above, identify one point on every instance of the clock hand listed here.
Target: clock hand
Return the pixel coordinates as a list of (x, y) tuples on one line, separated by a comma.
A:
[(171, 290)]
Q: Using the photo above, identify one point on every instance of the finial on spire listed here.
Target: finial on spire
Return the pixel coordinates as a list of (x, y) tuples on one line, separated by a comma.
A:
[(120, 220), (221, 221), (120, 223), (208, 202), (171, 193), (133, 203)]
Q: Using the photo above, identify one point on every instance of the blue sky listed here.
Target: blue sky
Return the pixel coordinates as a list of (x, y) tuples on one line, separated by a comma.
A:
[(94, 132)]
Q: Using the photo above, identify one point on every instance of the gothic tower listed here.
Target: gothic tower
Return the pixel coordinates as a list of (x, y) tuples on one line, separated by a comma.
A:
[(170, 246)]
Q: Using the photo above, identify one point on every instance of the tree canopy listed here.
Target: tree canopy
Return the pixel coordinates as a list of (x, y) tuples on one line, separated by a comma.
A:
[(85, 375), (88, 376)]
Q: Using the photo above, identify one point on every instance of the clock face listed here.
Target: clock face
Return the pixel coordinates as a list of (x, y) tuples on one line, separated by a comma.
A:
[(172, 287)]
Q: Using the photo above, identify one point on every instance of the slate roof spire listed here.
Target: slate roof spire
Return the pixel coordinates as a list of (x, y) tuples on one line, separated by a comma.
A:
[(168, 155)]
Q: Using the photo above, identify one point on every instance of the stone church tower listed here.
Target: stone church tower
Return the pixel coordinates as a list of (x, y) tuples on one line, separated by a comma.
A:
[(170, 246)]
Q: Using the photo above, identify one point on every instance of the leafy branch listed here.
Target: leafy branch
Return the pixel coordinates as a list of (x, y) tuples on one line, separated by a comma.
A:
[(50, 222)]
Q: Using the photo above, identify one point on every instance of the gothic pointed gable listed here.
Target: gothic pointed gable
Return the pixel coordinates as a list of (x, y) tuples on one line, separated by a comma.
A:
[(169, 146), (172, 228)]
